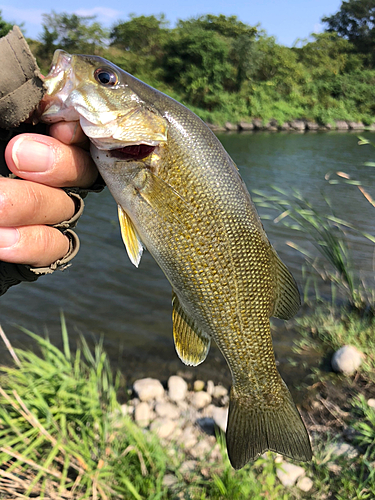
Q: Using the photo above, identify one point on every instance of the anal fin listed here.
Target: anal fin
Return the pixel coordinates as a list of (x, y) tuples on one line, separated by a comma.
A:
[(130, 237), (192, 344)]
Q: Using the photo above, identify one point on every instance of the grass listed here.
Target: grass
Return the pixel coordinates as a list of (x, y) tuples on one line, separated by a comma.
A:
[(63, 435)]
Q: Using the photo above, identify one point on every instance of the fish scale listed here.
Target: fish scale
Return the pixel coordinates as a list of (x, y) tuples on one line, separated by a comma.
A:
[(184, 200)]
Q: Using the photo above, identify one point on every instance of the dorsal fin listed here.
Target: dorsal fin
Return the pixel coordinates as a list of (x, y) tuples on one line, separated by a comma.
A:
[(192, 344), (130, 237), (287, 297)]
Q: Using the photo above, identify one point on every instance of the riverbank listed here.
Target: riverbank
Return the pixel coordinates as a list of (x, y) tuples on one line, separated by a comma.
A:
[(258, 124), (71, 429)]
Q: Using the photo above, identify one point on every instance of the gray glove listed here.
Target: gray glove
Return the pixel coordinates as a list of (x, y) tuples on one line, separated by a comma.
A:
[(21, 89)]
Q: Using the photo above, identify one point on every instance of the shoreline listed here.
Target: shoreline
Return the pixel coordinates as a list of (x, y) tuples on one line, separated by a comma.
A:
[(257, 124)]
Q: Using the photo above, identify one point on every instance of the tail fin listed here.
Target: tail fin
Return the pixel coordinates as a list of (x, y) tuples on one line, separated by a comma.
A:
[(253, 430)]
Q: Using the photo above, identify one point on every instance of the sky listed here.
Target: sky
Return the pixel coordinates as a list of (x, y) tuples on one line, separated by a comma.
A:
[(286, 20)]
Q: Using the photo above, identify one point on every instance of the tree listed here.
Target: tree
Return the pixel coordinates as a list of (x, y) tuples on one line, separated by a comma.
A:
[(73, 33), (141, 35), (5, 27), (355, 21)]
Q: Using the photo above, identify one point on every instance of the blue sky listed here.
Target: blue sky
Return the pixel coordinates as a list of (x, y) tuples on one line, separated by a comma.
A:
[(287, 20)]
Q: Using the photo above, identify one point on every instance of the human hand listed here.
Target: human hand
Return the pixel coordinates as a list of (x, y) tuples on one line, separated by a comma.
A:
[(28, 208)]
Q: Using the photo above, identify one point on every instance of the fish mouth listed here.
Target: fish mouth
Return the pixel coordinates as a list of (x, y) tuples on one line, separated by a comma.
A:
[(134, 152), (60, 63)]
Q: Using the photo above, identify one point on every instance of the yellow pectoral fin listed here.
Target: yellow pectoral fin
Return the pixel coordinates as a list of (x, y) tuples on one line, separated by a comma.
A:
[(192, 345), (130, 237)]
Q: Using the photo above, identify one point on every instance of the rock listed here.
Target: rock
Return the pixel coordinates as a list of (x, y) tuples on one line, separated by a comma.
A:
[(312, 126), (258, 124), (201, 450), (163, 427), (199, 385), (215, 128), (127, 410), (371, 402), (220, 416), (342, 125), (168, 410), (148, 389), (289, 473), (200, 399), (356, 125), (246, 126), (272, 128), (298, 125), (372, 127), (285, 126), (188, 466), (177, 388), (169, 480), (188, 438), (231, 127), (330, 126), (341, 448), (347, 360), (305, 484), (219, 391), (207, 425), (142, 414), (210, 387)]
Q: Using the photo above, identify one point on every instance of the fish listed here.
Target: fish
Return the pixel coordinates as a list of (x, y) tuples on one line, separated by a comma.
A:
[(181, 196)]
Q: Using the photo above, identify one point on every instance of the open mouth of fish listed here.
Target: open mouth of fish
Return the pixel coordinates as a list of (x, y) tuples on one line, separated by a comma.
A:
[(136, 152)]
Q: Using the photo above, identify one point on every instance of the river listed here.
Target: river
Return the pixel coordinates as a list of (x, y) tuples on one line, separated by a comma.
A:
[(103, 295)]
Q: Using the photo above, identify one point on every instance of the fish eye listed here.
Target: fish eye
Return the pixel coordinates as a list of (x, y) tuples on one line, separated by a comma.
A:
[(106, 77)]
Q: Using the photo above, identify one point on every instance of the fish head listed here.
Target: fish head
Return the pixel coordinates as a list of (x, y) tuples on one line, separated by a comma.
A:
[(100, 95)]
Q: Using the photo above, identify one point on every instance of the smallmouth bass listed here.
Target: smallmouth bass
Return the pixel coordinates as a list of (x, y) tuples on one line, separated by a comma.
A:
[(180, 195)]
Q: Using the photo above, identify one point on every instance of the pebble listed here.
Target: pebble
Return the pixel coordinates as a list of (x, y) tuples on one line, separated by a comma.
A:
[(201, 450), (142, 414), (200, 399), (305, 484), (167, 410), (169, 480), (289, 473), (148, 389), (220, 416), (219, 391), (188, 438), (347, 360), (177, 388), (210, 387), (163, 427), (188, 466), (371, 402), (198, 385), (340, 448)]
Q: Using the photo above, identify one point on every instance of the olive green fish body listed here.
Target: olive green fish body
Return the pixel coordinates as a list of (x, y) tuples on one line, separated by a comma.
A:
[(187, 204)]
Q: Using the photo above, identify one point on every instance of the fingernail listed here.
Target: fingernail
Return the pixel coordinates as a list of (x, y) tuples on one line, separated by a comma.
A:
[(32, 156), (9, 236)]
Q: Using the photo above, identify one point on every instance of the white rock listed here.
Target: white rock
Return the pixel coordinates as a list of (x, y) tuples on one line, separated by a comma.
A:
[(177, 388), (220, 416), (169, 480), (210, 387), (339, 449), (168, 410), (188, 438), (163, 427), (148, 389), (347, 360), (198, 385), (371, 402), (305, 484), (289, 473), (201, 450), (219, 391), (142, 414), (200, 399), (188, 466)]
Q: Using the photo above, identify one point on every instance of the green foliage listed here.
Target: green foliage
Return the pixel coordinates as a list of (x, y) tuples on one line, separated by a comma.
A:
[(5, 27), (355, 21), (62, 431)]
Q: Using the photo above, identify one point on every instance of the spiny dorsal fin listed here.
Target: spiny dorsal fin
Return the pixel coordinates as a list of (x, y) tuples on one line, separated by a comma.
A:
[(192, 345), (287, 298), (130, 237)]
